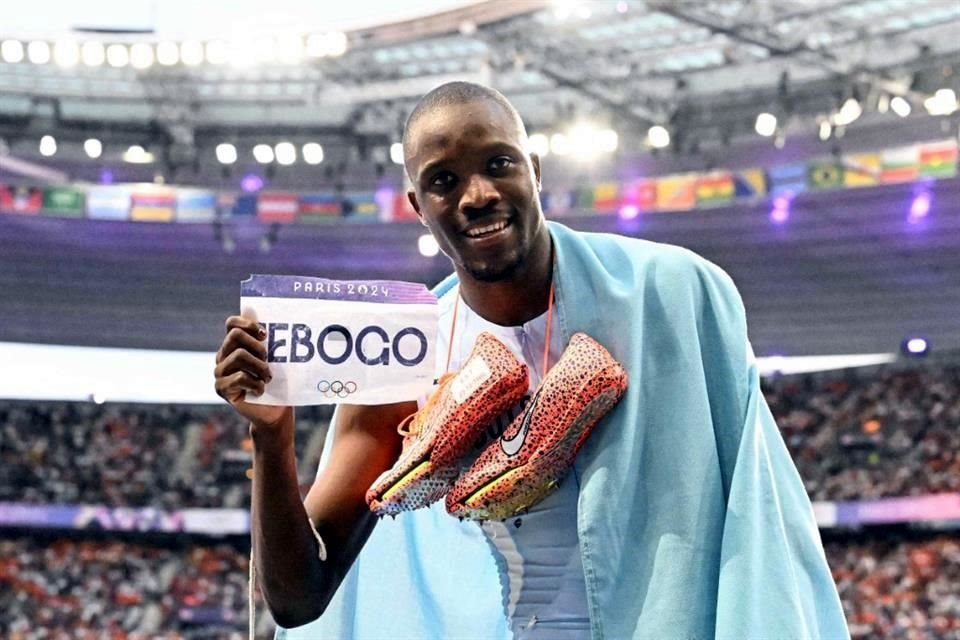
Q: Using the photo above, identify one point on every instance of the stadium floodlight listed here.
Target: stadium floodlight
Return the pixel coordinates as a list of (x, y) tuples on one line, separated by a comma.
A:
[(285, 153), (559, 144), (93, 53), (539, 144), (331, 44), (48, 146), (920, 206), (93, 148), (217, 52), (658, 137), (118, 55), (263, 153), (38, 52), (825, 130), (396, 152), (848, 113), (290, 49), (66, 53), (11, 51), (900, 106), (427, 245), (766, 124), (337, 43), (141, 55), (942, 103), (312, 153), (226, 153), (264, 50), (136, 154), (607, 140), (191, 53), (915, 347), (168, 54)]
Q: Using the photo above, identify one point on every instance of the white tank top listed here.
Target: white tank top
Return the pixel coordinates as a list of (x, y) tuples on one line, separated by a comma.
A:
[(538, 554)]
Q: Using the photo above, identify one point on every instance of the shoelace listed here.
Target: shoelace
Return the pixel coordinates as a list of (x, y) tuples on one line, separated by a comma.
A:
[(415, 420)]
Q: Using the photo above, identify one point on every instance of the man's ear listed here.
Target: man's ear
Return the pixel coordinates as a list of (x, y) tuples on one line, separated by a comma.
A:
[(535, 161), (412, 197)]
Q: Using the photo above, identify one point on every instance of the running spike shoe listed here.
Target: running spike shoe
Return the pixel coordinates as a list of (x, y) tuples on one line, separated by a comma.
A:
[(528, 462), (441, 433)]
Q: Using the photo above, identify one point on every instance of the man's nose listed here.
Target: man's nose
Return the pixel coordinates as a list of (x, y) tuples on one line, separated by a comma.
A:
[(480, 193)]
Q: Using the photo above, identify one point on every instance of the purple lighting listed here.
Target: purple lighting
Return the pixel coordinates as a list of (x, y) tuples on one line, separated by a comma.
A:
[(781, 208), (920, 207), (106, 176), (251, 183), (629, 211)]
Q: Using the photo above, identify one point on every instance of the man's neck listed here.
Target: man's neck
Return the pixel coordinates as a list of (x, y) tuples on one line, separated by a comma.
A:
[(521, 297)]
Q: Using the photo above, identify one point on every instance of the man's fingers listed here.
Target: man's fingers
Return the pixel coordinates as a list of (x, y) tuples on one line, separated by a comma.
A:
[(249, 325), (243, 360), (231, 386), (238, 338)]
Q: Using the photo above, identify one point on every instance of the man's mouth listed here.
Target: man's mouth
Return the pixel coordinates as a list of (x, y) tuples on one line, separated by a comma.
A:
[(487, 229)]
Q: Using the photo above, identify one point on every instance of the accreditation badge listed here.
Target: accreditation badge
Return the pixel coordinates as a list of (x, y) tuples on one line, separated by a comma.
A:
[(332, 341)]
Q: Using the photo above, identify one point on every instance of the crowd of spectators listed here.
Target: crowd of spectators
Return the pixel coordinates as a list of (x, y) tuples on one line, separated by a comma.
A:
[(169, 457), (899, 589), (92, 589), (862, 435)]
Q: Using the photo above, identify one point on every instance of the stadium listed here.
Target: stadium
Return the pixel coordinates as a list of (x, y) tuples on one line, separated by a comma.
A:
[(156, 154)]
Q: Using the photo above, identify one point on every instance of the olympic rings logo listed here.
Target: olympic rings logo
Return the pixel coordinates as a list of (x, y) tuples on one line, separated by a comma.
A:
[(337, 388)]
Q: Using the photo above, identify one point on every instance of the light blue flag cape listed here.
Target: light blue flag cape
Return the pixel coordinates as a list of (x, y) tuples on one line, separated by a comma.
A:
[(693, 521)]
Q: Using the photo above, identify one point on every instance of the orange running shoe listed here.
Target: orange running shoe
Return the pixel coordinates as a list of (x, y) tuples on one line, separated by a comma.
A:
[(442, 432), (521, 468)]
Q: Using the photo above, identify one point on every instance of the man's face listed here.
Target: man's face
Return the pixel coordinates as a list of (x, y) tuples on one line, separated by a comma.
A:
[(475, 186)]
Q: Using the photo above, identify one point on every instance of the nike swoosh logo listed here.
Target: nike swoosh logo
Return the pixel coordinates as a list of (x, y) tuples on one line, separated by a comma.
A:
[(512, 446)]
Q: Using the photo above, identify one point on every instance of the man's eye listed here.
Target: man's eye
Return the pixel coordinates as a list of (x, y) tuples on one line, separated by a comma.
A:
[(444, 179), (501, 163)]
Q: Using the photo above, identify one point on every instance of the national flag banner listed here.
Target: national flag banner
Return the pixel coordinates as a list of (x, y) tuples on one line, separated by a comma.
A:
[(403, 211), (361, 206), (715, 188), (606, 197), (226, 201), (152, 203), (63, 202), (196, 205), (787, 178), (749, 183), (277, 207), (641, 193), (20, 200), (861, 169), (899, 165), (108, 202), (319, 207), (244, 205), (557, 203), (677, 193), (583, 197), (939, 159), (824, 174)]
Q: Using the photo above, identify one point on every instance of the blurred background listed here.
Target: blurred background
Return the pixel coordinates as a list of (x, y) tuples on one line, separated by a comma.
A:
[(153, 153)]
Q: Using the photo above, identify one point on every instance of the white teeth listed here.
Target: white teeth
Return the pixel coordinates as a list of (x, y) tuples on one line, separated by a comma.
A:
[(490, 228)]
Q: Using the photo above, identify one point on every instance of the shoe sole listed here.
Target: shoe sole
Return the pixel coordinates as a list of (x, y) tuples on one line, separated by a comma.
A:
[(517, 489), (426, 479)]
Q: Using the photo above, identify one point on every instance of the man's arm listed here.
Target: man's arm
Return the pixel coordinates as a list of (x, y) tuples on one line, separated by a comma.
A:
[(296, 584)]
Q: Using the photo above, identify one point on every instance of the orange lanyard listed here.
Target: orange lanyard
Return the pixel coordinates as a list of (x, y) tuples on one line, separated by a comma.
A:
[(546, 346)]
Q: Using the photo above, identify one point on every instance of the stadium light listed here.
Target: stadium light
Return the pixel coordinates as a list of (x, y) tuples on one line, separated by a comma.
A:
[(263, 153), (658, 137), (629, 212), (290, 49), (11, 51), (766, 124), (333, 44), (38, 52), (285, 153), (191, 53), (168, 54), (93, 53), (264, 50), (48, 146), (251, 183), (93, 148), (226, 153), (915, 347), (118, 55), (607, 140), (780, 212), (217, 52), (136, 154), (848, 113), (942, 103), (920, 206), (559, 144), (427, 245), (825, 130), (396, 152), (539, 144), (900, 106), (66, 53), (312, 153), (141, 56)]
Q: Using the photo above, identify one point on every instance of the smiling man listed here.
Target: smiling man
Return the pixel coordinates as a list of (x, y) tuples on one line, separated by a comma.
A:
[(683, 515)]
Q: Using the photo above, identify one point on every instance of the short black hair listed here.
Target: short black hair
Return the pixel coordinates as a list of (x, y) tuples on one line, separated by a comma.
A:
[(458, 92)]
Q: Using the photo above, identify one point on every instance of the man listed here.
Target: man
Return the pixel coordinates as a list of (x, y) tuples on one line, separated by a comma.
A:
[(683, 516)]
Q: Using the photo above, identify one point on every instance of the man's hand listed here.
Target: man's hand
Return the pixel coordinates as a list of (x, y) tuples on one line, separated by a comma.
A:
[(241, 368)]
